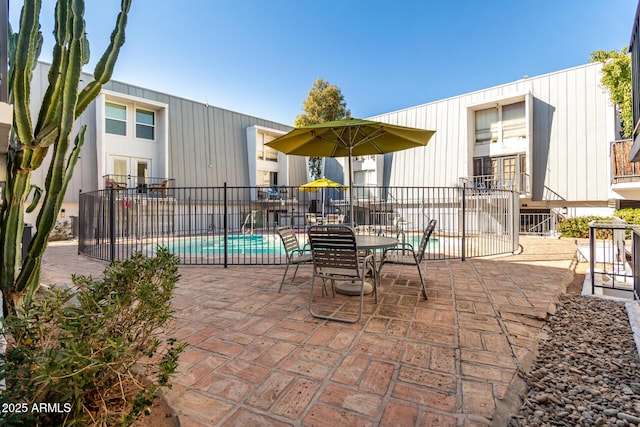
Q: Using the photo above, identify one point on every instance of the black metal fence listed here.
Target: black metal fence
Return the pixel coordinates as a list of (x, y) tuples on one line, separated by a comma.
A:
[(238, 225), (635, 244), (614, 259)]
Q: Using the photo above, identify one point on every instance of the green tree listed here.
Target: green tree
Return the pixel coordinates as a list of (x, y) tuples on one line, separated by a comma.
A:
[(324, 103), (616, 77), (30, 142)]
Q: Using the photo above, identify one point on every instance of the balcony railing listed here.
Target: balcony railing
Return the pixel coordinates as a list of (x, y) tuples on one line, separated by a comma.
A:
[(513, 182), (622, 169), (153, 187)]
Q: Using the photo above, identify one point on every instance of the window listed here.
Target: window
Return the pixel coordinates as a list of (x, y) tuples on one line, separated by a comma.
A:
[(487, 125), (267, 178), (264, 152), (270, 154), (145, 124), (116, 119), (120, 170), (482, 166), (500, 123), (513, 121)]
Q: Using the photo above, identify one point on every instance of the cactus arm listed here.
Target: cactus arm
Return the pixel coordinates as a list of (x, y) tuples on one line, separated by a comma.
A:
[(25, 50), (50, 104), (104, 67), (37, 194), (74, 156)]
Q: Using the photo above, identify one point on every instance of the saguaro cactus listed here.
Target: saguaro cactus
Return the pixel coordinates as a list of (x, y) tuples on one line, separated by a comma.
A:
[(63, 102)]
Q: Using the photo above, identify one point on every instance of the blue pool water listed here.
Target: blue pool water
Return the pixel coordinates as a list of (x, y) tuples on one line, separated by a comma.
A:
[(236, 244), (248, 245)]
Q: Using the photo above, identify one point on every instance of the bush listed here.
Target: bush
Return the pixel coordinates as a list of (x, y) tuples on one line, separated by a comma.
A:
[(579, 227), (629, 215), (92, 356)]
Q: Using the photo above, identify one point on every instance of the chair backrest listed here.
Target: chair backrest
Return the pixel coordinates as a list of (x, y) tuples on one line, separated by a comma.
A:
[(289, 239), (333, 218), (112, 183), (311, 218), (334, 250), (425, 239)]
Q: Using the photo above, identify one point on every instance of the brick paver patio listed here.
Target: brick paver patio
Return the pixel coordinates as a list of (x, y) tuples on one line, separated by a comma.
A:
[(256, 357)]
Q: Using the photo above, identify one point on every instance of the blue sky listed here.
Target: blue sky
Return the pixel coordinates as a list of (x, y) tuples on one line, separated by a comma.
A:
[(261, 57)]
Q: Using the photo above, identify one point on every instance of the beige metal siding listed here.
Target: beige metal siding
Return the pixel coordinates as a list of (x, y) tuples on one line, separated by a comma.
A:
[(573, 123), (207, 145)]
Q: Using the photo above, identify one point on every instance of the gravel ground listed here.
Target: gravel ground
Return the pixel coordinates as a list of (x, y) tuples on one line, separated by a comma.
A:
[(587, 372)]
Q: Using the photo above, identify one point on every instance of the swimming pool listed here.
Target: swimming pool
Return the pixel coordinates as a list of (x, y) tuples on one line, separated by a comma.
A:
[(236, 244), (257, 244)]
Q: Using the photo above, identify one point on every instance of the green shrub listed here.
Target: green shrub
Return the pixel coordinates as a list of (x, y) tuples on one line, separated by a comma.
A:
[(629, 215), (579, 227), (96, 354)]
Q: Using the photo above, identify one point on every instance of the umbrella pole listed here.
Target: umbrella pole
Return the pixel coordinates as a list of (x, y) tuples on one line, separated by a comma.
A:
[(351, 187)]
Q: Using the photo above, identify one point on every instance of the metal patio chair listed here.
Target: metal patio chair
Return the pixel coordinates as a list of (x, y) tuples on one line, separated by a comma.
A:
[(404, 253), (336, 257), (295, 255), (159, 188)]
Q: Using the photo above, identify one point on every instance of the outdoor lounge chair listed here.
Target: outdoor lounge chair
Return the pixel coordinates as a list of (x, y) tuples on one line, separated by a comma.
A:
[(333, 219), (404, 253), (311, 219), (336, 257), (295, 255), (120, 189), (160, 188)]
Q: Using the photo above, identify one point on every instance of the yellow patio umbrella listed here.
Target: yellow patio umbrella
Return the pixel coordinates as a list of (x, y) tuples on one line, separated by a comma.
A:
[(321, 184), (348, 138)]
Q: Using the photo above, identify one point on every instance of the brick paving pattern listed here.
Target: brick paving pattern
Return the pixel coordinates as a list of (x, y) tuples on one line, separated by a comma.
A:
[(257, 357)]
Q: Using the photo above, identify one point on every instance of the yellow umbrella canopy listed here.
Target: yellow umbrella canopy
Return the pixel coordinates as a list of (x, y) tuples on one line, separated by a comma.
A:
[(321, 183), (348, 138)]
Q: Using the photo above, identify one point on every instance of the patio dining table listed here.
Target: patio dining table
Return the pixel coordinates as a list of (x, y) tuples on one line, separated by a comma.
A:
[(366, 243)]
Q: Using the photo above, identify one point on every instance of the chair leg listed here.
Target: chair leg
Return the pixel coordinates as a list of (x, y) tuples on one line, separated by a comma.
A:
[(424, 290), (376, 279), (324, 287), (283, 277), (295, 272), (381, 264), (339, 319)]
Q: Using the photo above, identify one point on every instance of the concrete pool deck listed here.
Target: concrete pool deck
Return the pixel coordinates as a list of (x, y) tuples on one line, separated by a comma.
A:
[(256, 357)]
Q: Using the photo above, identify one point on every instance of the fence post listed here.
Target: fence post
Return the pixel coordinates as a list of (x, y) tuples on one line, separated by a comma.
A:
[(112, 225), (80, 232), (225, 226), (515, 218), (592, 255), (635, 253), (463, 240)]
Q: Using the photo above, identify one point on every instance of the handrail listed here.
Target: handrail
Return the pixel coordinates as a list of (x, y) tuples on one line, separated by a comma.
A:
[(516, 182)]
